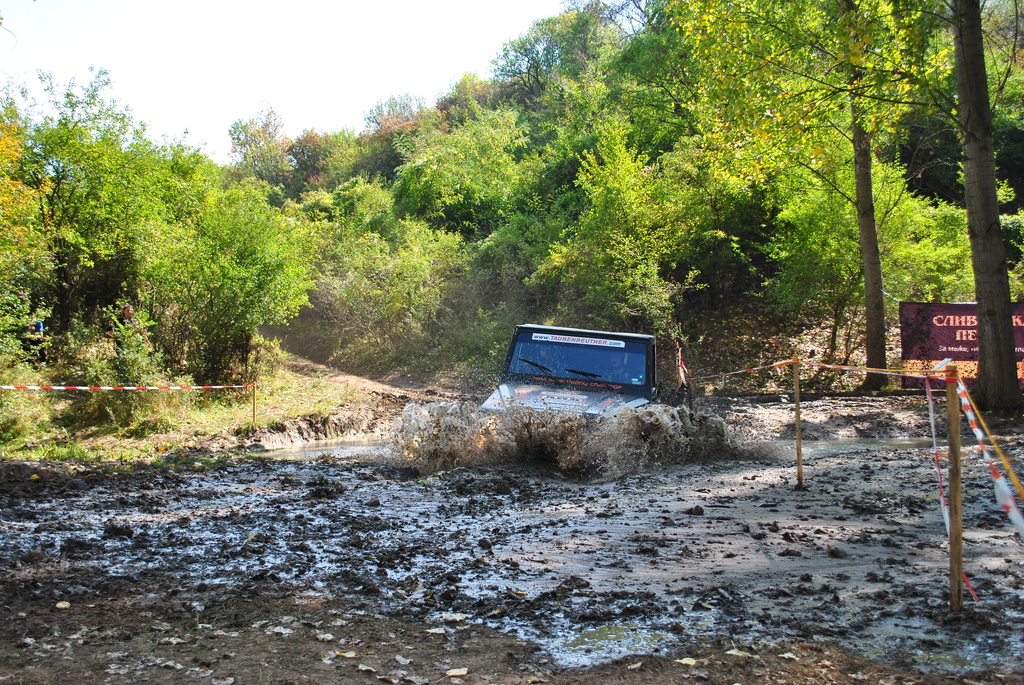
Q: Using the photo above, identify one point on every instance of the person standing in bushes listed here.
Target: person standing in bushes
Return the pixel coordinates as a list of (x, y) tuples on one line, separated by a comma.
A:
[(34, 343)]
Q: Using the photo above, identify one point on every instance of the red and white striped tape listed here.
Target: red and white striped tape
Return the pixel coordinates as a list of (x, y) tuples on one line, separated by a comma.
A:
[(121, 387), (938, 462), (943, 502), (1004, 492)]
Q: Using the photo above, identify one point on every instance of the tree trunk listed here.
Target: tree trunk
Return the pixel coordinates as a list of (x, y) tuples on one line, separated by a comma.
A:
[(871, 261), (997, 387)]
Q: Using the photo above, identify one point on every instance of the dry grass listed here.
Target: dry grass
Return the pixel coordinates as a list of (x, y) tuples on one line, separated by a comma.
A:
[(188, 418)]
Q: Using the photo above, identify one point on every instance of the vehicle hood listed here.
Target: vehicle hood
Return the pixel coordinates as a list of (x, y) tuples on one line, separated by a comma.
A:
[(591, 402)]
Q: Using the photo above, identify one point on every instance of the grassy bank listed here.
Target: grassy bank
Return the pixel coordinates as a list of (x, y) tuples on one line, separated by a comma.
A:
[(77, 427)]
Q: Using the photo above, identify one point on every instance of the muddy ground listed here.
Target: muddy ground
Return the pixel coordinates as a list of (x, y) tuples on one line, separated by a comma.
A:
[(338, 565)]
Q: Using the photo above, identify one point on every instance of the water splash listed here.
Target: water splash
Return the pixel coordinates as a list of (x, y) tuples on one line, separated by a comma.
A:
[(443, 435)]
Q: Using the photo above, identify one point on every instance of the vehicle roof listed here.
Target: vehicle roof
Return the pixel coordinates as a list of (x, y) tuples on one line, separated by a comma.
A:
[(638, 337)]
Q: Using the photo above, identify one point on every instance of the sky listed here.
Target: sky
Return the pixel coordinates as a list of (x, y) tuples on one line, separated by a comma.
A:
[(189, 69)]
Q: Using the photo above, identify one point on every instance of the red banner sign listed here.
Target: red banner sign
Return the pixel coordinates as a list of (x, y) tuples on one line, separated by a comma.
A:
[(933, 332)]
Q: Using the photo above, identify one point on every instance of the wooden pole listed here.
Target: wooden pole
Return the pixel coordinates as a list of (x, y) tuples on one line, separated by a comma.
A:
[(799, 440), (956, 524), (254, 404)]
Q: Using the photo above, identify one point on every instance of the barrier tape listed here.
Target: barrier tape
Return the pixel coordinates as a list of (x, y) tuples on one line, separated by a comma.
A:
[(863, 369), (837, 367), (121, 387), (938, 461), (1005, 496), (970, 587), (1004, 493), (681, 369), (734, 373), (943, 502), (995, 444)]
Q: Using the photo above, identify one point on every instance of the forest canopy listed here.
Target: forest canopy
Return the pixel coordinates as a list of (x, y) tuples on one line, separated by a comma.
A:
[(625, 167)]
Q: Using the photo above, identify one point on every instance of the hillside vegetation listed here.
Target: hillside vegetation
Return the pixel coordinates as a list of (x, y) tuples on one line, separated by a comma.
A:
[(662, 167)]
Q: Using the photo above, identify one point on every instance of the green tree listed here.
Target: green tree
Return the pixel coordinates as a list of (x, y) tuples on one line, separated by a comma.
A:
[(259, 149), (391, 125), (783, 71), (466, 180), (213, 282), (610, 263), (467, 98), (922, 247), (22, 252), (997, 385), (564, 46), (382, 295), (94, 174), (320, 161)]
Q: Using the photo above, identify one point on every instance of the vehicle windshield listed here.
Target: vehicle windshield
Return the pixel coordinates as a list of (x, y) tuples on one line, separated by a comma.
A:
[(580, 357)]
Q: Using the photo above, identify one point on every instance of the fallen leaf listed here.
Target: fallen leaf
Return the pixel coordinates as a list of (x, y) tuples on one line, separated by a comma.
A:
[(456, 672), (222, 681), (170, 641), (633, 667), (279, 630), (415, 679), (737, 652), (386, 679), (789, 655), (402, 660), (453, 618), (436, 631), (324, 637), (347, 655), (368, 669), (687, 661), (63, 605), (161, 626)]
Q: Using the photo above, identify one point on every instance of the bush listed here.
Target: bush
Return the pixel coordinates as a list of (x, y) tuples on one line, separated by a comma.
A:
[(381, 295), (212, 285), (133, 364)]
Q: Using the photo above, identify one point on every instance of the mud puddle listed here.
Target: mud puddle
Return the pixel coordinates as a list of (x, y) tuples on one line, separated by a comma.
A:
[(851, 446), (349, 449), (650, 562)]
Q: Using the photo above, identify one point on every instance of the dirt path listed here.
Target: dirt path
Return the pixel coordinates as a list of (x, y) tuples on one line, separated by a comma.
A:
[(343, 568)]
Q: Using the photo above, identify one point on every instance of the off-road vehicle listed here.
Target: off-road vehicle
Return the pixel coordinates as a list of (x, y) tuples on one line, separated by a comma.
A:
[(589, 372)]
